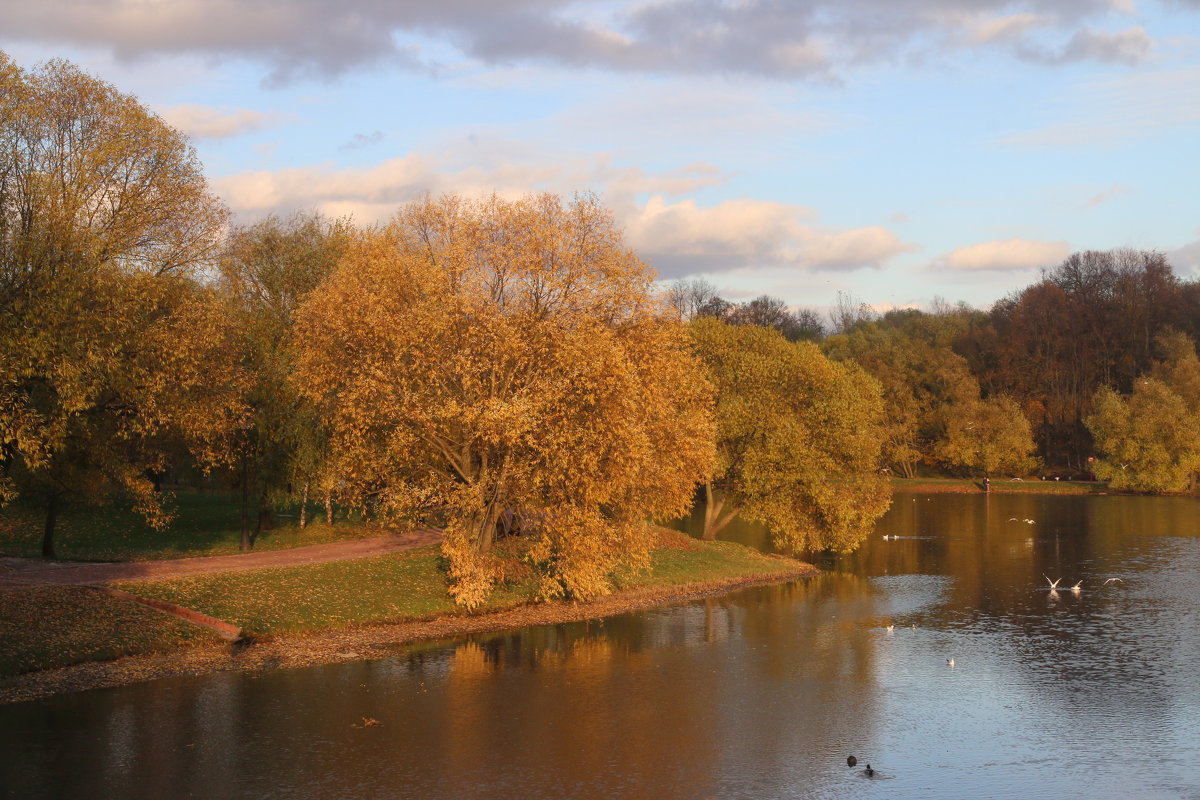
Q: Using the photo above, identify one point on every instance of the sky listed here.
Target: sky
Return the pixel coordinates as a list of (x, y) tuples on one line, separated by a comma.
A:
[(895, 151)]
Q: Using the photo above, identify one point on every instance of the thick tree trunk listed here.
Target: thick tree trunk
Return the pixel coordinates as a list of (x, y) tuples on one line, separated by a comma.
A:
[(329, 508), (304, 507), (48, 532)]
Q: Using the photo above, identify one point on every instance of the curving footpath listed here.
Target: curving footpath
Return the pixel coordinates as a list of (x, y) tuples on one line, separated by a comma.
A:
[(27, 571), (33, 572)]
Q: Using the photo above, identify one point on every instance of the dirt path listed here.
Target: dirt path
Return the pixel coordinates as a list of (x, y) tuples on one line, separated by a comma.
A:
[(26, 571)]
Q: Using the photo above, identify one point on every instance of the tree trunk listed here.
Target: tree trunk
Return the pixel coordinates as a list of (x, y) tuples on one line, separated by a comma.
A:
[(485, 527), (245, 543), (329, 508), (48, 532), (304, 507), (713, 520)]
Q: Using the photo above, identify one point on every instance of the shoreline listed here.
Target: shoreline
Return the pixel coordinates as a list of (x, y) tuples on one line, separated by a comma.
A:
[(362, 643)]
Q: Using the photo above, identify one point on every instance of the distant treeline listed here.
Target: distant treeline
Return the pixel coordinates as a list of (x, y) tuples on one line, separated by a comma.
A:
[(1100, 319)]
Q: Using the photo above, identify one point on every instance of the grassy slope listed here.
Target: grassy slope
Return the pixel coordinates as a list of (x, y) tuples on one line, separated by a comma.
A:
[(56, 626)]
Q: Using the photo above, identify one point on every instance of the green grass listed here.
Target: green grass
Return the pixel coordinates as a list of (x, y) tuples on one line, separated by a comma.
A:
[(47, 627), (206, 524), (55, 626), (399, 586), (709, 561), (315, 596)]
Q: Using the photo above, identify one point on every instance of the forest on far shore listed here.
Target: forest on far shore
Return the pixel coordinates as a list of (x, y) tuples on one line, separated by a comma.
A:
[(1100, 320)]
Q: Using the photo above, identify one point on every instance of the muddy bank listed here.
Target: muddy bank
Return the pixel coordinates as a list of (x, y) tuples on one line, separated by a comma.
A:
[(352, 644)]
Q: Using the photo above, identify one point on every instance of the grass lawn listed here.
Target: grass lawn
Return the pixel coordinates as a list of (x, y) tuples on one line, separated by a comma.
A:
[(207, 524), (406, 585), (46, 627), (55, 626)]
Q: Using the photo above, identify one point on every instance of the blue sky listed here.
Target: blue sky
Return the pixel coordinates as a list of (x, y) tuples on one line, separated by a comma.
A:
[(892, 150)]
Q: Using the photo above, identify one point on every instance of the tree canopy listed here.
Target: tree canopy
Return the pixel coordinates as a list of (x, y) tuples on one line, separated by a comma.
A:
[(504, 367), (1149, 440), (798, 438), (105, 339)]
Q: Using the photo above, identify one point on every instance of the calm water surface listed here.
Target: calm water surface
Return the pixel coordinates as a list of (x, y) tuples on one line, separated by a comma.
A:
[(760, 694)]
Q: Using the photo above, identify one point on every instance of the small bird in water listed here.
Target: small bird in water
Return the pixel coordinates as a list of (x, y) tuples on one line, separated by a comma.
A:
[(891, 628), (1077, 587), (1110, 580), (868, 771), (1053, 584), (950, 662), (851, 761)]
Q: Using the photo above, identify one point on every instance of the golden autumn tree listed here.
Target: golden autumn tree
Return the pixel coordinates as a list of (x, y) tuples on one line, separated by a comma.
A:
[(106, 342), (503, 367), (799, 439)]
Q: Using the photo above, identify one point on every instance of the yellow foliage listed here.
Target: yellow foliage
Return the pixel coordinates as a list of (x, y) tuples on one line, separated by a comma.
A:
[(505, 363), (106, 344), (799, 438)]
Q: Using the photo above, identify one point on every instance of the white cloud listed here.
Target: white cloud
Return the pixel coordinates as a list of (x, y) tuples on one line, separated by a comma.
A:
[(684, 238), (212, 122), (676, 237), (1010, 254)]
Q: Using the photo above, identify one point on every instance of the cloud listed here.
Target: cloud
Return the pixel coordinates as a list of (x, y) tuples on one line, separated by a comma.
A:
[(212, 122), (683, 238), (1186, 258), (1116, 190), (677, 237), (362, 140), (815, 40), (1129, 47), (1011, 254)]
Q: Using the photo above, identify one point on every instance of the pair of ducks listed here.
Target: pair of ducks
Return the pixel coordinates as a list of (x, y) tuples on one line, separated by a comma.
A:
[(852, 761)]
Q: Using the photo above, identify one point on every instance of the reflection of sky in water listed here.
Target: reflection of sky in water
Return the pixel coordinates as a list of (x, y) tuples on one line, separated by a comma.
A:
[(759, 694)]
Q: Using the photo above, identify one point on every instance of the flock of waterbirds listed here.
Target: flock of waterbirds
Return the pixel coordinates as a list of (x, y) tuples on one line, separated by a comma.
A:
[(1076, 589)]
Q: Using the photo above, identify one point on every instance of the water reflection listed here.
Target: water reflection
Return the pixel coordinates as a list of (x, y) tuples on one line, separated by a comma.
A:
[(759, 694)]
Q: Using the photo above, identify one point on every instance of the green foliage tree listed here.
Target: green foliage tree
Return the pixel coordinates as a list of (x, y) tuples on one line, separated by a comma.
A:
[(1150, 440), (267, 269), (506, 367), (798, 439), (106, 343), (922, 380), (990, 436)]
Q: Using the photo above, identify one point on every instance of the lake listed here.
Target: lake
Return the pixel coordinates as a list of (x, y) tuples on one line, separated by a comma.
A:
[(758, 694)]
